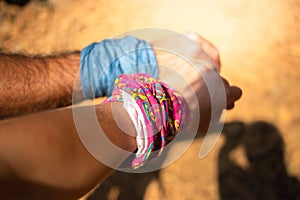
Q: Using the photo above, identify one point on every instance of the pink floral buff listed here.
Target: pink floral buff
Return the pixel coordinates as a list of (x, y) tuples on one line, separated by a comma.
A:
[(156, 110)]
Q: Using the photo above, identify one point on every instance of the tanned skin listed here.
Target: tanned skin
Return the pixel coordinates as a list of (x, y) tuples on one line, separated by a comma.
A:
[(41, 155), (30, 84)]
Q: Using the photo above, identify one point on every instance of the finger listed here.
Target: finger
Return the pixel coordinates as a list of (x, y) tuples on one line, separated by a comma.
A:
[(230, 106), (202, 41), (211, 49), (233, 94), (226, 83)]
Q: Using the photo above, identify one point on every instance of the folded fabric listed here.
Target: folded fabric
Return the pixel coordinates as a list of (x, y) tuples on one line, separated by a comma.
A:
[(101, 63), (157, 111)]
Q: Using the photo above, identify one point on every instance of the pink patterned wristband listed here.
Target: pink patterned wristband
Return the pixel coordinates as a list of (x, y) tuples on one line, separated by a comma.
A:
[(157, 111)]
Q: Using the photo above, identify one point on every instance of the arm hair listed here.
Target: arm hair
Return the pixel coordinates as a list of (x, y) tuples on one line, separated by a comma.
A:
[(34, 83)]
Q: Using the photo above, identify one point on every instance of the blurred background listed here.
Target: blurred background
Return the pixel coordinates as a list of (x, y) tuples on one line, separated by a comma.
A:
[(259, 43)]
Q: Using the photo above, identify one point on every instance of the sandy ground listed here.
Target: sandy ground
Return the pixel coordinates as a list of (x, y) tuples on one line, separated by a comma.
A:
[(259, 43)]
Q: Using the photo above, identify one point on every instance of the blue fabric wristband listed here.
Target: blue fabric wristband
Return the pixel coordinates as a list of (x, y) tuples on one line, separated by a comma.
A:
[(101, 63)]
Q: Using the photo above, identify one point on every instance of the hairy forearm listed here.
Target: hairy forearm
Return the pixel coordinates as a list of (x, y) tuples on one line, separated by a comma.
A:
[(34, 83), (43, 156)]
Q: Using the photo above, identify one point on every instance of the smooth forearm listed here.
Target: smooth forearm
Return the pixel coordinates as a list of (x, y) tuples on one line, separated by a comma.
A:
[(46, 150), (35, 83)]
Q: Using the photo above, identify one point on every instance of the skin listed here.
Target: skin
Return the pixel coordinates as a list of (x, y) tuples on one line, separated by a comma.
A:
[(195, 49), (54, 164), (30, 84), (41, 155), (23, 76)]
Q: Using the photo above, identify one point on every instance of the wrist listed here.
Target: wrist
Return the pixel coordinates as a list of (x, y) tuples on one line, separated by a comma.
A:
[(157, 112), (101, 63), (117, 125), (64, 79)]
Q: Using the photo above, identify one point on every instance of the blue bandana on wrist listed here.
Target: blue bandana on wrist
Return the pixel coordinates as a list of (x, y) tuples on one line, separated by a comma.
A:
[(101, 63)]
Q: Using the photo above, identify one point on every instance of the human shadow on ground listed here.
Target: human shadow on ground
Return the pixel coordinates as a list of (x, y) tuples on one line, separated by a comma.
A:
[(125, 186), (264, 178), (265, 175)]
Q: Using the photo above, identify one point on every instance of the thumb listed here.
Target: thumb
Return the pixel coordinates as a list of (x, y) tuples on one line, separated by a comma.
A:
[(233, 94)]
